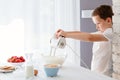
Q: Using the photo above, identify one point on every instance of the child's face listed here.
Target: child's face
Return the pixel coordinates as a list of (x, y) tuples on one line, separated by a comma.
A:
[(101, 24)]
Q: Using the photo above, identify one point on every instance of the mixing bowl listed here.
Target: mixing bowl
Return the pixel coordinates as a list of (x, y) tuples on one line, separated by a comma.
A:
[(47, 59)]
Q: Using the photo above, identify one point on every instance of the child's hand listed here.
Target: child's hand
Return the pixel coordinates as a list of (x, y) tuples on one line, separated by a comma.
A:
[(59, 33)]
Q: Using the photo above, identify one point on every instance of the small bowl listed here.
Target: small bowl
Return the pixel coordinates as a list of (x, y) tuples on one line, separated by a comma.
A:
[(51, 70)]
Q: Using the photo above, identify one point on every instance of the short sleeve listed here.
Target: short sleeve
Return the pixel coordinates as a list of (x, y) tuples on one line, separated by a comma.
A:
[(108, 33)]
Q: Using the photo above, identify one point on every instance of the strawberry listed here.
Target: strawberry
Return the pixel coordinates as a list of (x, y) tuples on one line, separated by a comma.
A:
[(16, 59)]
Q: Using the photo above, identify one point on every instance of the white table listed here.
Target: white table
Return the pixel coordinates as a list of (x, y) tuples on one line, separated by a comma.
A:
[(68, 71)]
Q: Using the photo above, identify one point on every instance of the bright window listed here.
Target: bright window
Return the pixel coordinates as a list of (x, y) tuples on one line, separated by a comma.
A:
[(28, 25), (12, 39)]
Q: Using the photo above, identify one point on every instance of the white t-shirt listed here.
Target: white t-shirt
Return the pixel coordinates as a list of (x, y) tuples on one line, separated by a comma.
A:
[(102, 54)]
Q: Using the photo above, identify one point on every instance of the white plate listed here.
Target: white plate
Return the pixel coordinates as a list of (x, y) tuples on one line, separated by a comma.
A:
[(6, 71), (2, 70)]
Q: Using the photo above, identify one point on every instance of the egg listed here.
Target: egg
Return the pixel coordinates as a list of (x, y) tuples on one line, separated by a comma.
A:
[(35, 72)]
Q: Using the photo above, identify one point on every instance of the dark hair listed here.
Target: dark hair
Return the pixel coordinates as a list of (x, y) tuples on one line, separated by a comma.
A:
[(104, 11)]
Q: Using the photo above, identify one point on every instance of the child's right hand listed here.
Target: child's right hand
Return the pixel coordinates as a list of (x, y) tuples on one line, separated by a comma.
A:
[(59, 33)]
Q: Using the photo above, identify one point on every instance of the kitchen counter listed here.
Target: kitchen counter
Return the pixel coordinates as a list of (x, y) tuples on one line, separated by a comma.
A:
[(68, 71)]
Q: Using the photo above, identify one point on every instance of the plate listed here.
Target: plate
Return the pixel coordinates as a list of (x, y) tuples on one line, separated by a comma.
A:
[(7, 69)]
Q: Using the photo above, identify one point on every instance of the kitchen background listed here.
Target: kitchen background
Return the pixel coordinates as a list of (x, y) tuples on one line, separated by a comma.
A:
[(33, 13)]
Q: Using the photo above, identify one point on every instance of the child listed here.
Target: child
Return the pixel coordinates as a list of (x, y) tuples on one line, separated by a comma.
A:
[(102, 52)]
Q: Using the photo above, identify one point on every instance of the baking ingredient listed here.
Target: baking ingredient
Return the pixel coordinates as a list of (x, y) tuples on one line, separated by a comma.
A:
[(35, 72), (29, 71)]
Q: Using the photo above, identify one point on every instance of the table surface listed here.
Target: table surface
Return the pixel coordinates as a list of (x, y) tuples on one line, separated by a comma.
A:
[(68, 71)]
